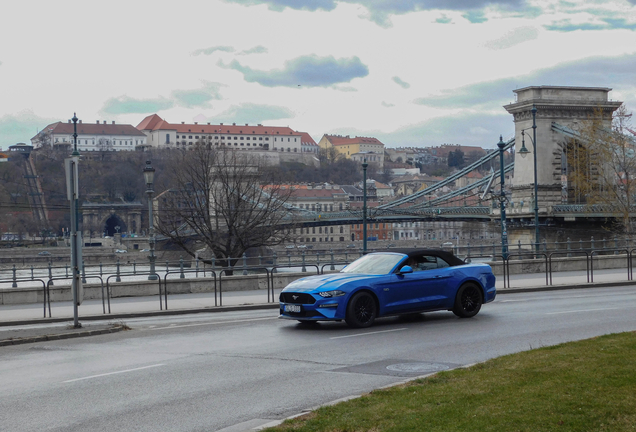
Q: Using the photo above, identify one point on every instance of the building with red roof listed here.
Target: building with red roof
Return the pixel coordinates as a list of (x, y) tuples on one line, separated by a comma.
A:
[(161, 134), (96, 136), (356, 148)]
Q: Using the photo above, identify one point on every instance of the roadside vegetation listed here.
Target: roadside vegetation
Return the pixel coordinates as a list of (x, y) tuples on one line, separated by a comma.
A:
[(588, 385)]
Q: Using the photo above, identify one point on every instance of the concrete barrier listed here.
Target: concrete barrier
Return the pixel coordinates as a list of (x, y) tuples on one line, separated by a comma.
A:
[(175, 285)]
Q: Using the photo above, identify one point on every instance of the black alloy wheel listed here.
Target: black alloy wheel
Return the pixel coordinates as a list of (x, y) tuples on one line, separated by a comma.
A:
[(468, 301), (361, 310)]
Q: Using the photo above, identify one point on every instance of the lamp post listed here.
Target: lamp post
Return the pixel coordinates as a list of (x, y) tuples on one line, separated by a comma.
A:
[(364, 206), (502, 200), (523, 152), (149, 177), (72, 169)]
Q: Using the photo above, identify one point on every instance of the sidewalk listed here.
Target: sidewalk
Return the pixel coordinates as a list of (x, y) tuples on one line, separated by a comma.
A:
[(27, 321)]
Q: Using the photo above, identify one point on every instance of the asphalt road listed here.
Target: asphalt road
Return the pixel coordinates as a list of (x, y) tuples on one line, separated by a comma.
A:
[(238, 369)]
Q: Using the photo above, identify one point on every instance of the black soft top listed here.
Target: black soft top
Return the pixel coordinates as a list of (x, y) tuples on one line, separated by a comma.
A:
[(451, 259)]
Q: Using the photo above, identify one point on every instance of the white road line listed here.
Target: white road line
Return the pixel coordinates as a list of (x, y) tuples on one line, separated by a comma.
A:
[(113, 373), (172, 326), (580, 310), (370, 333)]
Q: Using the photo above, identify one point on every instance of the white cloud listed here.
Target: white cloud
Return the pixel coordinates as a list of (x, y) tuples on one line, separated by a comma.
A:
[(436, 61)]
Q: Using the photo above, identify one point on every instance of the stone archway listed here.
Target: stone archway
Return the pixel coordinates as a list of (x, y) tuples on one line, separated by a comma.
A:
[(114, 225), (101, 219)]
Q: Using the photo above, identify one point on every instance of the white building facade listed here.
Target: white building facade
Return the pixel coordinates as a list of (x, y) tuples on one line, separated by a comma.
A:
[(161, 134), (91, 136)]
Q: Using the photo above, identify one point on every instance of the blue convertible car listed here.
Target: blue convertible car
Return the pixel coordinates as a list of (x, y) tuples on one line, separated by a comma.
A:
[(390, 283)]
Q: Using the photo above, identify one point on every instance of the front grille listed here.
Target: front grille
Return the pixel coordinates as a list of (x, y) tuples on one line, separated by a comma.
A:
[(301, 298)]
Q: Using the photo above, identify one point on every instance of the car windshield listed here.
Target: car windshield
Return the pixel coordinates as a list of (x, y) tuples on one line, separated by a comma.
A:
[(376, 264)]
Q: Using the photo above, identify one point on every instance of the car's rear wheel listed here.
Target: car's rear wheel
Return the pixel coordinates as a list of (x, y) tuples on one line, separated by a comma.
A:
[(468, 301), (361, 310)]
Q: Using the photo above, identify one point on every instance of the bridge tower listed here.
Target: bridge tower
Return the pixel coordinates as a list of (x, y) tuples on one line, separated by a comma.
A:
[(566, 106)]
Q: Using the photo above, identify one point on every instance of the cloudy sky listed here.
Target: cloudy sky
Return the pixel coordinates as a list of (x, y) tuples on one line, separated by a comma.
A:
[(409, 72)]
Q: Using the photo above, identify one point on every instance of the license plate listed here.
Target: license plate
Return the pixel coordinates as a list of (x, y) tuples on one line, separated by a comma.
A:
[(292, 308)]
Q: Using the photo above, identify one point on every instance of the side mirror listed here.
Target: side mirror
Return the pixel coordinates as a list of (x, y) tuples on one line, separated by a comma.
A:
[(406, 269)]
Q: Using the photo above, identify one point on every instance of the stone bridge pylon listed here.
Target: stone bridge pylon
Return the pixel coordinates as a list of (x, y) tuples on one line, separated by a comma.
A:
[(564, 106)]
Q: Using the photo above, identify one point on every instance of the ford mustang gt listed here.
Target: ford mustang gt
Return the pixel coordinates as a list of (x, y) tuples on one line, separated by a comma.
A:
[(390, 283)]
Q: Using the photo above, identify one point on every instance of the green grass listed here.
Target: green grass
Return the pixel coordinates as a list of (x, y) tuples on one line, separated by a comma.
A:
[(588, 385)]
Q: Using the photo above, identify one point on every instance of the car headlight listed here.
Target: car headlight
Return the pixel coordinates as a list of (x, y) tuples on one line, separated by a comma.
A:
[(329, 294)]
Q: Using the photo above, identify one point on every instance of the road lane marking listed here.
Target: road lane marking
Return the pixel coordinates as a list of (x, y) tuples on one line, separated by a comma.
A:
[(580, 310), (172, 326), (112, 373), (370, 333)]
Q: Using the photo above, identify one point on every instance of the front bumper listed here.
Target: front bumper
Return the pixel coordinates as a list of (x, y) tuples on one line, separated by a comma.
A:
[(323, 309)]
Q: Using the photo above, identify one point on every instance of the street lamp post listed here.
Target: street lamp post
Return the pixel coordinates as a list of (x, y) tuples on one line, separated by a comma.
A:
[(523, 152), (149, 177), (76, 236), (502, 201), (364, 206)]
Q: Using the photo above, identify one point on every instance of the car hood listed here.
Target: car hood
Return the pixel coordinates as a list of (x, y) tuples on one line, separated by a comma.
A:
[(326, 281)]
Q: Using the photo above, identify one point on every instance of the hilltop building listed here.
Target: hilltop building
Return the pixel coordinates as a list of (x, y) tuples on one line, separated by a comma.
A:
[(162, 134), (356, 148), (91, 136)]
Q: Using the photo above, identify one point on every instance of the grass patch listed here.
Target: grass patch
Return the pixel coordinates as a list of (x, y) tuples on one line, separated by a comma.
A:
[(587, 385)]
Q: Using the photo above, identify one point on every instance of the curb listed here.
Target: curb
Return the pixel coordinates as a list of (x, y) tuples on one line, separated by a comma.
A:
[(60, 336)]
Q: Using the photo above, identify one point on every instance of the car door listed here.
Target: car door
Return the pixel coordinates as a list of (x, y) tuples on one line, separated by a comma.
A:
[(425, 288)]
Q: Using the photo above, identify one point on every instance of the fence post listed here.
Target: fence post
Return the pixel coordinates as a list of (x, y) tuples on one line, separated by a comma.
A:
[(51, 274), (117, 279), (468, 253), (346, 256), (289, 258), (244, 264), (304, 269), (196, 266), (318, 259), (615, 246), (15, 283), (83, 272), (260, 260), (167, 266), (569, 248), (181, 276), (519, 245), (604, 243), (101, 269), (545, 245), (494, 252), (275, 262), (592, 242), (32, 277), (134, 266), (581, 244), (65, 269), (333, 267)]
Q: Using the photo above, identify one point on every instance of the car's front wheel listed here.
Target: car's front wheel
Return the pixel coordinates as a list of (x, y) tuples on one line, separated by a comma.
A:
[(361, 310), (468, 301)]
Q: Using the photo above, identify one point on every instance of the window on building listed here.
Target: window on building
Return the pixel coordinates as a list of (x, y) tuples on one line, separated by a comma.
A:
[(190, 137)]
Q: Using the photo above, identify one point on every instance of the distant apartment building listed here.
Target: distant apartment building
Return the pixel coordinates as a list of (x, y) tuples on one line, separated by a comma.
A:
[(322, 199), (356, 148), (98, 136), (161, 134)]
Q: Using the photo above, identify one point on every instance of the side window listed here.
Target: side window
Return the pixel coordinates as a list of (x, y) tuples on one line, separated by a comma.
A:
[(432, 262)]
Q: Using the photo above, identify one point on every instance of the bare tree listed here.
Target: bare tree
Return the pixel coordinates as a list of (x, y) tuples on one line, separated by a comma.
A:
[(104, 144), (217, 196), (602, 166)]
